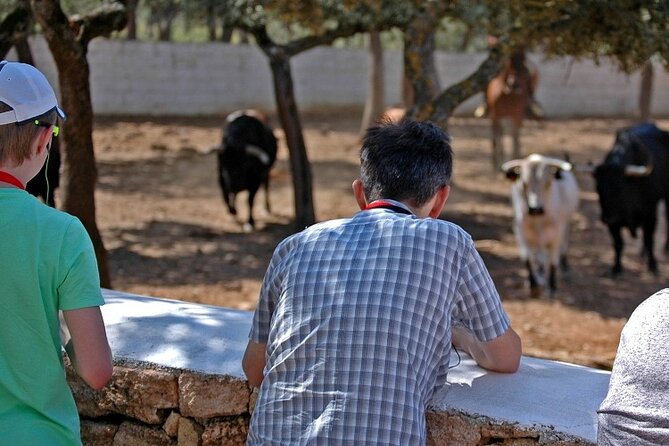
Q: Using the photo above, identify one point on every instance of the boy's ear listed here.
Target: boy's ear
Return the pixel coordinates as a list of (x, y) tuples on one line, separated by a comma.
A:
[(44, 139), (359, 193), (440, 201)]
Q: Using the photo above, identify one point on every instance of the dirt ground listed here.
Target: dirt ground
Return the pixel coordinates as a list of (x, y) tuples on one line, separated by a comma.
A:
[(168, 234)]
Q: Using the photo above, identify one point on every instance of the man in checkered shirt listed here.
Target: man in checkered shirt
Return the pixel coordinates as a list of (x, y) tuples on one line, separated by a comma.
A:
[(353, 330)]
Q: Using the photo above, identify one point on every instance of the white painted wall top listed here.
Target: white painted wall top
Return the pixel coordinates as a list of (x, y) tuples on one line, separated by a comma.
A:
[(159, 78), (209, 339)]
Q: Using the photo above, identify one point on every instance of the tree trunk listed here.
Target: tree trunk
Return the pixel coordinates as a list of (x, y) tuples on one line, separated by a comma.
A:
[(445, 103), (226, 34), (376, 92), (131, 12), (14, 27), (211, 22), (419, 62), (68, 43), (292, 127), (23, 51), (408, 98), (645, 91)]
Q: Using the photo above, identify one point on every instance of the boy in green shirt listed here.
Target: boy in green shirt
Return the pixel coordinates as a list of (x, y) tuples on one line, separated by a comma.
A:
[(47, 265)]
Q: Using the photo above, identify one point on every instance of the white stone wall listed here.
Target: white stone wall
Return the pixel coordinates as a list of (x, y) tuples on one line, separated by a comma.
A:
[(150, 78), (178, 382)]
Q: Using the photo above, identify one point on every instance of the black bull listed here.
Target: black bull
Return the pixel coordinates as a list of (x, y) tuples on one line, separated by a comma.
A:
[(245, 158), (630, 182)]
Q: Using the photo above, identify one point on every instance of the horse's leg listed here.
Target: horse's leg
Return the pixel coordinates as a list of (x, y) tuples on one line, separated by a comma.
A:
[(497, 147)]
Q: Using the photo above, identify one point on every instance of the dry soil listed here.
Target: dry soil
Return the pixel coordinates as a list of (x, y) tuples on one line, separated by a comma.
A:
[(168, 234)]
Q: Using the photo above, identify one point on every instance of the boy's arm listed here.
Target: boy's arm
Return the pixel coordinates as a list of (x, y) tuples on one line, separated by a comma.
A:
[(253, 362), (501, 354), (88, 348)]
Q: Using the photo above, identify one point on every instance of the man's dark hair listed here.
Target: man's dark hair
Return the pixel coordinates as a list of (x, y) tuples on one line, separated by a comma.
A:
[(409, 160)]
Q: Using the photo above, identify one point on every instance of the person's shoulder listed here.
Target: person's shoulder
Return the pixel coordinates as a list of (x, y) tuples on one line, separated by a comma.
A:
[(656, 303), (52, 216), (312, 233), (445, 228)]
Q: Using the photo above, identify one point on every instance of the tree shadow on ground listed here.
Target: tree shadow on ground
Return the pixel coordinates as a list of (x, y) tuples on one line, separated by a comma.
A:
[(175, 253)]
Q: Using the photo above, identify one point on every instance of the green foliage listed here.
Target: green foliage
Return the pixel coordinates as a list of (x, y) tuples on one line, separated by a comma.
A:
[(627, 31)]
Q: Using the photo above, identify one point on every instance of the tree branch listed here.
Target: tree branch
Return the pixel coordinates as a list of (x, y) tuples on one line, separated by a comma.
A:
[(102, 21), (14, 27)]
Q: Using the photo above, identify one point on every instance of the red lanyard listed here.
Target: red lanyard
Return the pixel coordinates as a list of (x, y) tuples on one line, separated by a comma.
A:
[(11, 179), (387, 205)]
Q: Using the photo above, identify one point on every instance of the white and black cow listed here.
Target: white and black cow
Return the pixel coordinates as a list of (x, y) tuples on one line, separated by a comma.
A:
[(544, 196), (245, 157), (630, 182)]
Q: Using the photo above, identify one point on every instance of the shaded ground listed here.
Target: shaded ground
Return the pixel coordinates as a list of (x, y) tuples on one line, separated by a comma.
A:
[(162, 218)]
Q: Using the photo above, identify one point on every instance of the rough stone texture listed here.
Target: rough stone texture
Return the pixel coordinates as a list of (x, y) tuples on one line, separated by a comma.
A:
[(135, 434), (459, 429), (451, 430), (212, 396), (229, 433), (507, 431), (171, 426), (190, 433), (94, 433), (143, 394), (87, 400), (253, 400)]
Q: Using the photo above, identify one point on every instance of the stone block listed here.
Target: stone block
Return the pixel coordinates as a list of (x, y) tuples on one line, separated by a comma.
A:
[(444, 429), (87, 399), (230, 433), (171, 426), (190, 433), (509, 430), (143, 394), (207, 396), (253, 400), (96, 433), (135, 434)]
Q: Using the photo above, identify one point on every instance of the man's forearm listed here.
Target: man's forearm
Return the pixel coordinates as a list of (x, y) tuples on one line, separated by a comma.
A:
[(501, 354)]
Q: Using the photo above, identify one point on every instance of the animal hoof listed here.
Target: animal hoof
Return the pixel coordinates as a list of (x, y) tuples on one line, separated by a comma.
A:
[(247, 228)]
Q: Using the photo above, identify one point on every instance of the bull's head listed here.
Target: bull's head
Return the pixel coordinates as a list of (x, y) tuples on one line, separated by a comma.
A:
[(535, 174)]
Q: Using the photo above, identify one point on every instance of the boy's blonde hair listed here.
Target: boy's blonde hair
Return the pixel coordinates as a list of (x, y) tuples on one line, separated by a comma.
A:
[(16, 140)]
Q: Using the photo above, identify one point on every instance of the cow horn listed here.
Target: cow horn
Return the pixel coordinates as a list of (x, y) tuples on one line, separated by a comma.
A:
[(509, 165), (560, 164), (634, 170)]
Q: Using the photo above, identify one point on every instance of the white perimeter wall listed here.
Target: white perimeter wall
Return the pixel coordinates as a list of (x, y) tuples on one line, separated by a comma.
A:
[(150, 78)]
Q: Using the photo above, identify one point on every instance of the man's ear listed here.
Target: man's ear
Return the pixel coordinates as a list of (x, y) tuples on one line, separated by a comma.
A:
[(440, 200), (359, 193)]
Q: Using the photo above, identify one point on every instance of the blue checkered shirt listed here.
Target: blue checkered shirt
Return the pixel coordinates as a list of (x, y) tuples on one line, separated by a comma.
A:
[(356, 314)]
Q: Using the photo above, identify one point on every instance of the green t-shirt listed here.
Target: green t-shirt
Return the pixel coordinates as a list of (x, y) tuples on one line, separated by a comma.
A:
[(47, 264)]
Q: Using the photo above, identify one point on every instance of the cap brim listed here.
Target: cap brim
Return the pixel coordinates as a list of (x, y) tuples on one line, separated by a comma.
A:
[(61, 113)]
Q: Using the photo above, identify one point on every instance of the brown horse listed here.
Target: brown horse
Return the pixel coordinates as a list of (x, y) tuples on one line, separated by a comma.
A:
[(508, 97)]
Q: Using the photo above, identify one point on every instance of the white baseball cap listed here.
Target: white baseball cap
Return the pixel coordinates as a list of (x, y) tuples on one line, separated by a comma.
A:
[(25, 89)]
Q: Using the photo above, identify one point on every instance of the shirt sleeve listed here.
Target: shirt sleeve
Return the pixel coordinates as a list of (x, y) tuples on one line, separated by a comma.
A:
[(478, 306), (78, 268), (269, 294)]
